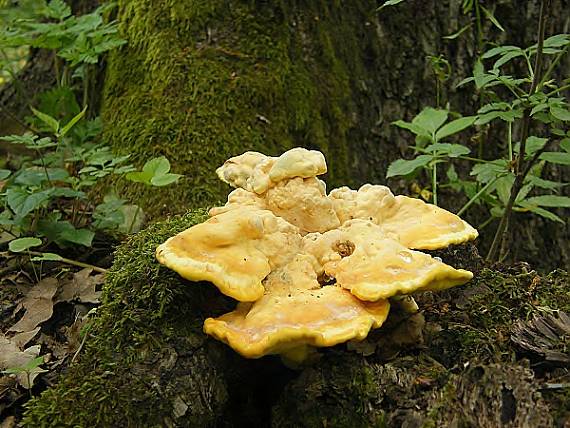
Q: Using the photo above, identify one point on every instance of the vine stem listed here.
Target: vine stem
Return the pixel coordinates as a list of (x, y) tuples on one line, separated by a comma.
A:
[(520, 169), (71, 262)]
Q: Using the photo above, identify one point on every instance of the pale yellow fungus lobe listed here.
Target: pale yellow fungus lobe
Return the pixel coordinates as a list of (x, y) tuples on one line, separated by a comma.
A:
[(295, 312), (235, 251), (413, 222), (373, 266), (256, 172), (311, 269)]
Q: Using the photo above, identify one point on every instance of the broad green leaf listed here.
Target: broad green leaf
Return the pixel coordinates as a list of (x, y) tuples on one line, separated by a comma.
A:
[(492, 18), (77, 236), (405, 167), (389, 3), (72, 122), (51, 122), (416, 129), (23, 244), (22, 202), (543, 184), (63, 233), (504, 59), (451, 150), (499, 50), (554, 201), (454, 127), (533, 145), (48, 257), (165, 179), (565, 145), (452, 174), (485, 172), (538, 107), (157, 166), (503, 186), (557, 41), (4, 173), (493, 106), (541, 212), (485, 118), (430, 119), (556, 157), (560, 113)]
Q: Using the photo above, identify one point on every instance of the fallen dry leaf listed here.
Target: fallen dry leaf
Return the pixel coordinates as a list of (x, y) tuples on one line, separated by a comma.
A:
[(9, 422), (38, 304), (82, 287), (21, 339), (12, 358)]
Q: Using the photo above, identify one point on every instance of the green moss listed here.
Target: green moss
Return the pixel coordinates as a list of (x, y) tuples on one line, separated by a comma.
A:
[(477, 323), (201, 81), (148, 316)]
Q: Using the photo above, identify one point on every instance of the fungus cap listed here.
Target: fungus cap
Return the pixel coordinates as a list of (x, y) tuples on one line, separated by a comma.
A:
[(256, 172), (234, 250), (373, 266), (415, 223), (294, 312)]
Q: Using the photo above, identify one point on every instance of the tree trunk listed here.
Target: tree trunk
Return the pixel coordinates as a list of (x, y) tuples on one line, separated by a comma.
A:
[(201, 82)]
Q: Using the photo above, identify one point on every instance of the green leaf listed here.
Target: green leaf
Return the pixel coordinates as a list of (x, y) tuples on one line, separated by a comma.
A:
[(47, 257), (492, 18), (405, 167), (57, 9), (488, 171), (560, 113), (23, 203), (77, 236), (541, 212), (389, 3), (416, 129), (458, 32), (430, 119), (4, 173), (72, 122), (542, 183), (538, 107), (503, 186), (534, 144), (554, 201), (557, 41), (455, 126), (51, 122), (565, 145), (556, 157), (154, 173), (451, 150), (506, 58), (500, 50), (157, 166), (22, 244), (165, 179)]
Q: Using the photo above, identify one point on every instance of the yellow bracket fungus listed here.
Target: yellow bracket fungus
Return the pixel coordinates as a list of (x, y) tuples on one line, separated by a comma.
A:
[(311, 269)]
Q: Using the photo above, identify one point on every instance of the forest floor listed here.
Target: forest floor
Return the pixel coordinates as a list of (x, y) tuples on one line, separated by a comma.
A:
[(496, 349)]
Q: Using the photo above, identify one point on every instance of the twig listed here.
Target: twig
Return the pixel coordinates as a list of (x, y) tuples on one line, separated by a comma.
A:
[(71, 262), (520, 170)]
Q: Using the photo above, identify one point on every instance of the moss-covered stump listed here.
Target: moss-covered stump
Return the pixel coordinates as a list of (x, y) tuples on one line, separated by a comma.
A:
[(200, 82), (146, 361)]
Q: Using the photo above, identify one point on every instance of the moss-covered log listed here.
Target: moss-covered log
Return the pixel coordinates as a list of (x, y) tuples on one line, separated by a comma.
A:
[(146, 361)]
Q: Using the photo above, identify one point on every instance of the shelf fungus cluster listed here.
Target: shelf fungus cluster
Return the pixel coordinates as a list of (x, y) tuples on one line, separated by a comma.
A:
[(311, 269)]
